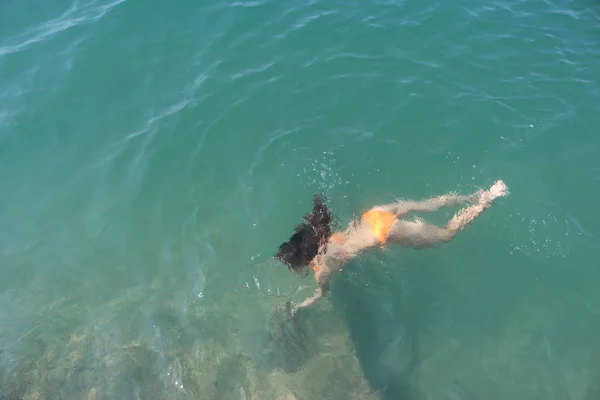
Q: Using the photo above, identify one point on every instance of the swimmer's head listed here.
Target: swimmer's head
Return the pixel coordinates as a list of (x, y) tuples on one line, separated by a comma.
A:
[(308, 238)]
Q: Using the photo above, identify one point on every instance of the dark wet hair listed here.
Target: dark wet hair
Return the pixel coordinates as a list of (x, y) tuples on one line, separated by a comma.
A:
[(308, 238)]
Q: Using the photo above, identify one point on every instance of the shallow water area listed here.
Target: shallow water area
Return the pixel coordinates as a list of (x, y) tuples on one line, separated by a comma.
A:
[(154, 156)]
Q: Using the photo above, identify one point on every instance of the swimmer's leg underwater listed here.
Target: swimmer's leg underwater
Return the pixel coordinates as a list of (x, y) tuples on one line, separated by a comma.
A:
[(403, 207), (420, 234)]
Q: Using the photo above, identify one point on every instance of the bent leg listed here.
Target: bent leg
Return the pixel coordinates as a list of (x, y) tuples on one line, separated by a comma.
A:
[(420, 234), (404, 207)]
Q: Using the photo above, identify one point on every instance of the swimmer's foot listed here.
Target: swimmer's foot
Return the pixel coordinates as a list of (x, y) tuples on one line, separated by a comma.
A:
[(498, 189)]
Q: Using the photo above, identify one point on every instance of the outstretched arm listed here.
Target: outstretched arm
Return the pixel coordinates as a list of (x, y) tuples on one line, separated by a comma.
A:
[(403, 207), (321, 292)]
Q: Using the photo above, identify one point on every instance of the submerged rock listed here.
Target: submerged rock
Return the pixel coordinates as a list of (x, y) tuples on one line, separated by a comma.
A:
[(140, 350), (286, 347)]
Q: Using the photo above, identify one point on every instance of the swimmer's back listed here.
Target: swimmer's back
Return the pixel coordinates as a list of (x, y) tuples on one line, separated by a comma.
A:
[(372, 229)]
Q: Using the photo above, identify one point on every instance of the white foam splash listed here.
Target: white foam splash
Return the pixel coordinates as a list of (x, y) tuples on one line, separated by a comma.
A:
[(320, 172), (540, 239)]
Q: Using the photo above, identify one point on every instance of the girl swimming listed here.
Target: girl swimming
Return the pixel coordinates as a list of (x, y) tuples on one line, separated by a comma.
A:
[(313, 245)]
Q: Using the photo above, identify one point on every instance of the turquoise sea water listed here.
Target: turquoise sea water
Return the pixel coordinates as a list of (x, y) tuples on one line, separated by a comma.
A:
[(153, 155)]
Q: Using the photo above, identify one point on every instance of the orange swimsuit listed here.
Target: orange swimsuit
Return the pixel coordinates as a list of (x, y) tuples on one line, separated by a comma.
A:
[(380, 222)]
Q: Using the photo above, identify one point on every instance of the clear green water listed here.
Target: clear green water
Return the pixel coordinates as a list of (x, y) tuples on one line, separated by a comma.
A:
[(153, 155)]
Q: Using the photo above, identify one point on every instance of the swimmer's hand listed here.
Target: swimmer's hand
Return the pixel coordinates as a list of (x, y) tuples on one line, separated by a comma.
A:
[(293, 309)]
